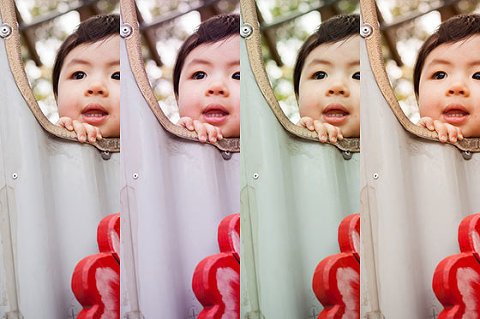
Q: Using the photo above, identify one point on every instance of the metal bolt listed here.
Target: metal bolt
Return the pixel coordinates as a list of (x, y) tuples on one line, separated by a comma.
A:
[(106, 155), (126, 30), (14, 175), (467, 155), (366, 30), (375, 175), (135, 175), (347, 155), (226, 155), (255, 175), (246, 30), (5, 30)]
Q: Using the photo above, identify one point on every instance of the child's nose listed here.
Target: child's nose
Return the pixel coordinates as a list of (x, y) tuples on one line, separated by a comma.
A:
[(338, 88), (458, 88), (97, 87), (217, 87)]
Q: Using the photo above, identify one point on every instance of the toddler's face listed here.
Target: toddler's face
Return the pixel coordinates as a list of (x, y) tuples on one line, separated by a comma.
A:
[(89, 85), (449, 87), (329, 87), (209, 85)]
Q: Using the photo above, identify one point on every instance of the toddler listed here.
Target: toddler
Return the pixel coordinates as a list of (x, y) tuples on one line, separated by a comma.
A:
[(206, 79), (447, 79), (86, 79), (326, 79)]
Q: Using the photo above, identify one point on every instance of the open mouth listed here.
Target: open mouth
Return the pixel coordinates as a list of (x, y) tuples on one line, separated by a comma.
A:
[(455, 114), (215, 114), (94, 114), (335, 114)]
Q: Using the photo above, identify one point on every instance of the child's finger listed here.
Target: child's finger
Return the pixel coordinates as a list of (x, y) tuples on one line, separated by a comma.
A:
[(427, 122), (187, 123), (201, 131), (452, 133), (80, 130), (65, 122), (332, 133), (307, 122), (219, 133), (99, 133), (91, 133), (321, 131), (211, 132), (441, 130)]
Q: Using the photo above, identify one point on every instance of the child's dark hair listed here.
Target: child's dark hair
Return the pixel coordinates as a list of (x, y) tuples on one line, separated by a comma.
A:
[(89, 31), (212, 30), (333, 30), (453, 30)]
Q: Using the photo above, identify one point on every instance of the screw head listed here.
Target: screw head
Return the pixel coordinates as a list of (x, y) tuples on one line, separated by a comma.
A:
[(366, 30), (14, 175), (246, 30), (347, 155), (375, 175), (256, 175), (135, 175), (126, 30), (467, 155), (226, 155), (5, 30)]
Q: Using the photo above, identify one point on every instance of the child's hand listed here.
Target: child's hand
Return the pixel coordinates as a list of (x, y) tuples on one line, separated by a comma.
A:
[(323, 130), (446, 132), (203, 130), (83, 130)]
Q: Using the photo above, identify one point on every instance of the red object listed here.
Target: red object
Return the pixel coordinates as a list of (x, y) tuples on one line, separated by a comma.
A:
[(456, 281), (216, 280), (96, 278), (336, 281)]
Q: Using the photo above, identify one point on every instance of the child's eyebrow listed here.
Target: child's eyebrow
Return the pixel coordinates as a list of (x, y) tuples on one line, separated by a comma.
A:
[(200, 61), (85, 62), (207, 62), (440, 61), (320, 61), (474, 62)]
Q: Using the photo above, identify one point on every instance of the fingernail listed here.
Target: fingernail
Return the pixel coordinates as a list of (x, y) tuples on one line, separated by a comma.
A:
[(340, 137), (443, 138), (92, 139), (323, 139), (333, 139)]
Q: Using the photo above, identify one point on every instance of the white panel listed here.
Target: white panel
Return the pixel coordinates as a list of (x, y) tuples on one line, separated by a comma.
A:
[(49, 214), (290, 213), (183, 190), (424, 189)]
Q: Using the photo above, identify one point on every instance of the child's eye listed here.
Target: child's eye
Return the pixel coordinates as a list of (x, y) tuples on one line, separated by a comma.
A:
[(199, 75), (439, 75), (356, 76), (78, 75), (319, 75), (116, 76), (476, 76), (236, 76)]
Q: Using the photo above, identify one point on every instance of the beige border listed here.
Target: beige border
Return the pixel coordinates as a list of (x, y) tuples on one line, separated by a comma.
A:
[(249, 15), (374, 49), (12, 44), (129, 16)]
